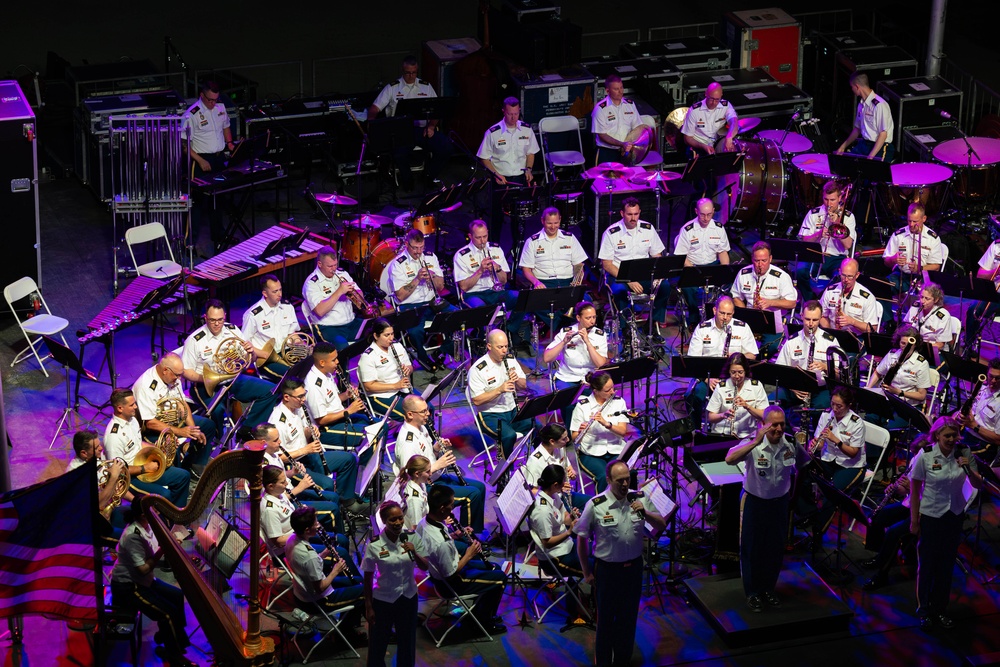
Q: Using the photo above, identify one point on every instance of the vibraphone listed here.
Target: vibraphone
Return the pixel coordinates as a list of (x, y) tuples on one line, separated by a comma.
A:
[(242, 261)]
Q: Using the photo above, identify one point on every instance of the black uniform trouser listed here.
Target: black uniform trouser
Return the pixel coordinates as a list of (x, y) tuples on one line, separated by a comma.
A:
[(763, 528), (619, 589)]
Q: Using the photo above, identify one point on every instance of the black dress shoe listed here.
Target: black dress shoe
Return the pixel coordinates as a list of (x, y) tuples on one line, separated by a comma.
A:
[(878, 581), (945, 622), (771, 599), (755, 603), (869, 563)]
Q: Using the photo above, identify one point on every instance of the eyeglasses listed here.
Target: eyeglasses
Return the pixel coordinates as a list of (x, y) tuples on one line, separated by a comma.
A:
[(298, 396), (215, 320)]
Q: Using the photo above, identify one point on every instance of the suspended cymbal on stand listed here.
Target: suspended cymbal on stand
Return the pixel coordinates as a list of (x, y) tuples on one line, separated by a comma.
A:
[(655, 177), (612, 170), (335, 199)]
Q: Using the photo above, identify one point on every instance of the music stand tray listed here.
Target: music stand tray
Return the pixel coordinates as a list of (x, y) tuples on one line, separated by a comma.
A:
[(702, 166), (649, 268), (787, 250), (967, 286), (846, 340), (427, 108), (697, 367), (789, 377), (555, 299), (757, 320), (469, 318), (624, 372), (877, 344), (388, 134), (962, 369), (717, 275), (856, 167), (281, 245)]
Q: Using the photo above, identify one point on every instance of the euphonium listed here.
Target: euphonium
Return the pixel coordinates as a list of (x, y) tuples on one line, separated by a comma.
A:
[(121, 483), (231, 359)]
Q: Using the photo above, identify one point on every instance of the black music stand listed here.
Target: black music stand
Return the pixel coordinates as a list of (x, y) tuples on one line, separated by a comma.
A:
[(785, 250), (856, 167), (877, 345), (700, 368), (874, 402), (911, 415), (436, 389), (706, 167), (758, 320), (651, 269), (704, 277), (789, 377), (427, 108), (69, 361), (844, 505), (355, 349), (846, 340), (628, 372), (461, 321), (963, 369), (554, 300)]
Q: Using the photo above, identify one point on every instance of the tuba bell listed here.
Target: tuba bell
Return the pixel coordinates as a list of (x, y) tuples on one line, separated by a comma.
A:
[(121, 483), (231, 359)]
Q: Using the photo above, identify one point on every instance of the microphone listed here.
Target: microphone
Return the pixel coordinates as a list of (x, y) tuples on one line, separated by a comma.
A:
[(404, 539), (944, 114), (795, 116), (632, 496), (966, 468)]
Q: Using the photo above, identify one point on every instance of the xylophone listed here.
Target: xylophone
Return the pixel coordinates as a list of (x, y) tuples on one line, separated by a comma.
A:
[(121, 312)]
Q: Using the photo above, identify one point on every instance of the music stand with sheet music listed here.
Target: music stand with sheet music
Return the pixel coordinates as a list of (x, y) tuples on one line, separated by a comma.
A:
[(758, 320), (787, 250), (513, 505), (699, 368), (503, 469), (436, 390)]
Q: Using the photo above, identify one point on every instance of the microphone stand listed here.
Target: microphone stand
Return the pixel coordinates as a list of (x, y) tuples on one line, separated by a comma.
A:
[(795, 117)]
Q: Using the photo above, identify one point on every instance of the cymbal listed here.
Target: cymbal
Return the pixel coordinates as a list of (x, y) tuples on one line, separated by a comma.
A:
[(655, 177), (612, 170), (747, 124), (335, 199), (368, 220)]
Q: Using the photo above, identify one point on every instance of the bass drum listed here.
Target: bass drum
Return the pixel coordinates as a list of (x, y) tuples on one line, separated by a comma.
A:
[(761, 183), (812, 171), (383, 253)]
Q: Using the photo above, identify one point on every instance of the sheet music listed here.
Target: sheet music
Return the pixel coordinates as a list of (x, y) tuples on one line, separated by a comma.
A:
[(392, 493), (665, 507), (514, 502), (720, 473), (371, 468)]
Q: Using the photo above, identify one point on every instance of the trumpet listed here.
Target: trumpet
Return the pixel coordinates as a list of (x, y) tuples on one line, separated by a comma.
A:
[(230, 360), (121, 483), (497, 285), (357, 299), (438, 303)]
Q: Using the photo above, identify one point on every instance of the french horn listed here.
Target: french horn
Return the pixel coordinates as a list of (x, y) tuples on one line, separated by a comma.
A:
[(230, 359), (163, 452), (121, 483)]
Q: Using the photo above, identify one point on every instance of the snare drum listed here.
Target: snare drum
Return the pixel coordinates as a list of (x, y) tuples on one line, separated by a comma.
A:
[(383, 253), (523, 209), (793, 143), (570, 208), (360, 236), (978, 178), (762, 183), (914, 182), (811, 172)]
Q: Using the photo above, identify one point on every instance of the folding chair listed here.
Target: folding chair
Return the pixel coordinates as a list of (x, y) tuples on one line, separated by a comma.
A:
[(317, 617), (451, 600), (935, 385), (876, 436), (274, 572), (151, 233), (482, 457), (42, 324), (550, 567), (560, 158)]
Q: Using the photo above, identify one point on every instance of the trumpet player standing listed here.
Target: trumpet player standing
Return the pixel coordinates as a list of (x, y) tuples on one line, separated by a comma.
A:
[(832, 226), (481, 272), (158, 388), (327, 295), (269, 319), (204, 348), (417, 282)]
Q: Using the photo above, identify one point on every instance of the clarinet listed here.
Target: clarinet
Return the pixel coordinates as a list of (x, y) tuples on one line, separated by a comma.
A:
[(399, 366), (322, 456), (729, 338), (484, 549), (291, 464), (908, 344), (345, 380), (325, 538), (453, 468), (506, 369)]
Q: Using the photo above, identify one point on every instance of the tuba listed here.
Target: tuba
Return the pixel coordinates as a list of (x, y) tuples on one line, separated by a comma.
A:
[(121, 483), (231, 359)]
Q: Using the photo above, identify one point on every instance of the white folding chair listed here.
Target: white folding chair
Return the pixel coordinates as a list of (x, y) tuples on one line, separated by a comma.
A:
[(944, 255), (653, 156), (486, 455), (326, 623), (275, 572), (935, 385), (151, 233), (550, 568), (561, 158), (452, 600), (876, 436), (44, 323)]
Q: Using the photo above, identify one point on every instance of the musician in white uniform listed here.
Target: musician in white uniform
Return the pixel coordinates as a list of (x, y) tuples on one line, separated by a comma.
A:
[(736, 407), (269, 320), (984, 311), (631, 238), (705, 120), (580, 349), (159, 382), (425, 133), (301, 438), (341, 419), (508, 152), (704, 242), (494, 381), (278, 502), (839, 444), (414, 477), (599, 426), (983, 419), (912, 376), (847, 305), (816, 228), (480, 268), (200, 350), (913, 249), (87, 446), (326, 292), (611, 121), (873, 127), (414, 438), (765, 287), (123, 439), (931, 318), (552, 257), (807, 350), (385, 371), (417, 281), (553, 439), (210, 136)]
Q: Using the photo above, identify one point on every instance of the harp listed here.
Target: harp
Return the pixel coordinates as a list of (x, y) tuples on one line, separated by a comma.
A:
[(231, 642)]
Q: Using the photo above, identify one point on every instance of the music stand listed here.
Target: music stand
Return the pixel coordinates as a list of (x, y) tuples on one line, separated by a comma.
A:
[(856, 167), (789, 377), (910, 414), (697, 367), (69, 361), (427, 108), (787, 250), (552, 299), (355, 349), (628, 372), (846, 340), (877, 345), (873, 401), (757, 320), (703, 167), (844, 505), (504, 468), (461, 321), (513, 505), (963, 369), (436, 389)]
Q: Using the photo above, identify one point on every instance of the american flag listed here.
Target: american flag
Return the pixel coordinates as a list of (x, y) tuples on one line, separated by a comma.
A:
[(47, 547)]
